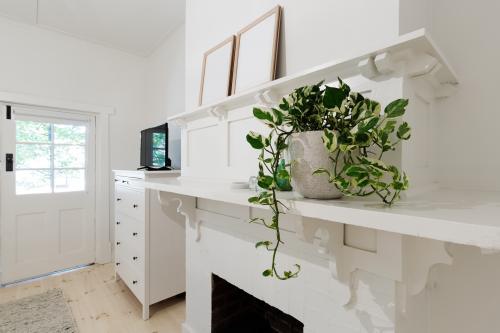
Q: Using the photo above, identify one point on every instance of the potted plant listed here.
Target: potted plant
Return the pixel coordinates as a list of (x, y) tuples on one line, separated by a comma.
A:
[(336, 139)]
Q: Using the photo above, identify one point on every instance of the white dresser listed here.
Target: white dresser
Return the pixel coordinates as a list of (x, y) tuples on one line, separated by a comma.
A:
[(149, 239)]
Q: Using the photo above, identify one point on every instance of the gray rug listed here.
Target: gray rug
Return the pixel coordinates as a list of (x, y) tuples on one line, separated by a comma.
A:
[(43, 313)]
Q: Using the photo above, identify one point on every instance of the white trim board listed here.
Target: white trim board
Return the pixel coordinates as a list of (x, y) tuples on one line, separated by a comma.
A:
[(102, 158), (456, 216)]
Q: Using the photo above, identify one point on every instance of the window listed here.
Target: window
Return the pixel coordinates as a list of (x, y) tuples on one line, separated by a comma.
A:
[(159, 141), (50, 157)]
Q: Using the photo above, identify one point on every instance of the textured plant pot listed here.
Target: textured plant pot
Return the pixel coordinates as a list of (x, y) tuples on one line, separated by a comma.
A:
[(308, 154)]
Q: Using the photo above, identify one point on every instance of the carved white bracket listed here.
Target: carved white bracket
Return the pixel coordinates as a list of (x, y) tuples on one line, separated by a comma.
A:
[(181, 123), (412, 64), (218, 112), (420, 255), (405, 260), (186, 207), (267, 98), (385, 63), (368, 69)]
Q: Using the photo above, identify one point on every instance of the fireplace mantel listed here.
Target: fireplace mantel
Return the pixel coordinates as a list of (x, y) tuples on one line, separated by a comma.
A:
[(461, 217), (338, 243)]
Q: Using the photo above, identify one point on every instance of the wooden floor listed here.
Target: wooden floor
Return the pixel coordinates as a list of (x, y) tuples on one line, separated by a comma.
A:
[(99, 304)]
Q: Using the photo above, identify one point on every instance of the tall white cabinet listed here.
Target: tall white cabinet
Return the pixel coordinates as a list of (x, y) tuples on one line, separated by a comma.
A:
[(149, 239)]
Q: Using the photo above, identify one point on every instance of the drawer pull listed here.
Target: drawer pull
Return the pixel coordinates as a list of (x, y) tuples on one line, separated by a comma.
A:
[(118, 243), (135, 258), (134, 234), (118, 199), (135, 205), (125, 181), (116, 180), (134, 282), (117, 264), (118, 222)]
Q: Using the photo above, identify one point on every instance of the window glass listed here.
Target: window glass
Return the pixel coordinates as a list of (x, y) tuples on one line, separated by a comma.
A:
[(159, 140), (73, 134), (69, 180), (33, 181), (32, 131), (68, 156), (50, 157), (159, 157), (32, 156)]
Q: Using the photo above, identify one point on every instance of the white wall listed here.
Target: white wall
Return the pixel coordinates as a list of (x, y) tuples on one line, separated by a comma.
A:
[(165, 74), (467, 33), (40, 62), (314, 31)]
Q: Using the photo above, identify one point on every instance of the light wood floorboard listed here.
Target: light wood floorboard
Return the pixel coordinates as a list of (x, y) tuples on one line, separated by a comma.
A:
[(100, 304)]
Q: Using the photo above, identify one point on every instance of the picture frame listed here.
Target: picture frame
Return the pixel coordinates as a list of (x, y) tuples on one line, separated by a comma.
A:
[(217, 71), (252, 68)]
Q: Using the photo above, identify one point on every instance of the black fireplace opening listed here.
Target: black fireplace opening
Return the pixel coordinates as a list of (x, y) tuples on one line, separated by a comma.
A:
[(234, 310)]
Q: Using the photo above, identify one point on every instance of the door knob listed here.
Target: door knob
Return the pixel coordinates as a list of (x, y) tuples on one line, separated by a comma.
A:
[(135, 205), (118, 222), (118, 243), (134, 282), (134, 234), (118, 199), (117, 264), (134, 258)]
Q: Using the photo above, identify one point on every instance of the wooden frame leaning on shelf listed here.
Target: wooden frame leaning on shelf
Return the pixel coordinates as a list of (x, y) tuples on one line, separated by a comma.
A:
[(217, 70), (251, 69)]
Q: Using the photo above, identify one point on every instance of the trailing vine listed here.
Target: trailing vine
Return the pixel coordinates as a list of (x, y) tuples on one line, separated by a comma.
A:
[(356, 133)]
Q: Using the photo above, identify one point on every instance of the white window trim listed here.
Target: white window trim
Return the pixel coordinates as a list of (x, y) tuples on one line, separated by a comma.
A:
[(102, 158)]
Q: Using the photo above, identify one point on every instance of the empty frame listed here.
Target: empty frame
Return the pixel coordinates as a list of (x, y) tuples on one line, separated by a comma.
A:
[(217, 72), (256, 52)]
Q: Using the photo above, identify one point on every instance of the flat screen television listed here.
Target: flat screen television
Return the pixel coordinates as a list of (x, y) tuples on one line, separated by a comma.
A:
[(154, 148)]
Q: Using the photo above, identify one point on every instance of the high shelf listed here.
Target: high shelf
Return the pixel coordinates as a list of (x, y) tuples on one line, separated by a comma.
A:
[(369, 62)]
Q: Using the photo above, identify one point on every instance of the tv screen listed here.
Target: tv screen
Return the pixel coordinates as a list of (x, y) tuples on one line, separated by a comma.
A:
[(154, 147)]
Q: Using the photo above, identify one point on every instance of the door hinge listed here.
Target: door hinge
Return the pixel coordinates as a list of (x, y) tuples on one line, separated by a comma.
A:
[(9, 112)]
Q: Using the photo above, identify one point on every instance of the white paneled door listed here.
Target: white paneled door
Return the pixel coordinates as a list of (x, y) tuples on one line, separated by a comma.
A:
[(47, 191)]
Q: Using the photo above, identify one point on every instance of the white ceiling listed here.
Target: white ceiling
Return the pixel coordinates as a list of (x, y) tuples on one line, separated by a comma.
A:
[(135, 26)]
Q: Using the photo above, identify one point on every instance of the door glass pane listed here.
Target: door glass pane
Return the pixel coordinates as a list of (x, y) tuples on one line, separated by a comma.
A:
[(67, 156), (72, 134), (69, 180), (32, 156), (32, 131), (33, 181)]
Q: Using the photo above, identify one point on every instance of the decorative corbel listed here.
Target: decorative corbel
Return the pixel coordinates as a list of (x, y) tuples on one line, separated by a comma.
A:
[(368, 69), (186, 206), (385, 63), (420, 255), (181, 123), (267, 98), (218, 112)]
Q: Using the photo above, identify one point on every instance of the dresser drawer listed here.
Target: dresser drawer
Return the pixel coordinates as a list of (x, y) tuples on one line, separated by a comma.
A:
[(130, 182), (125, 254), (133, 279), (130, 202), (130, 232)]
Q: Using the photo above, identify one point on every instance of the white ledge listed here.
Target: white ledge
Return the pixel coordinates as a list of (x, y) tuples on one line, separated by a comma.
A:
[(462, 217), (404, 48)]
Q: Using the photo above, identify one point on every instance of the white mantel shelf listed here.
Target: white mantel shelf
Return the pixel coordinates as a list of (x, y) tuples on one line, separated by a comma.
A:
[(399, 50), (462, 217)]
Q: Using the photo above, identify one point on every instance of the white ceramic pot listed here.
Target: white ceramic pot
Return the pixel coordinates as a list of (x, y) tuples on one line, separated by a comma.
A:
[(308, 154)]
